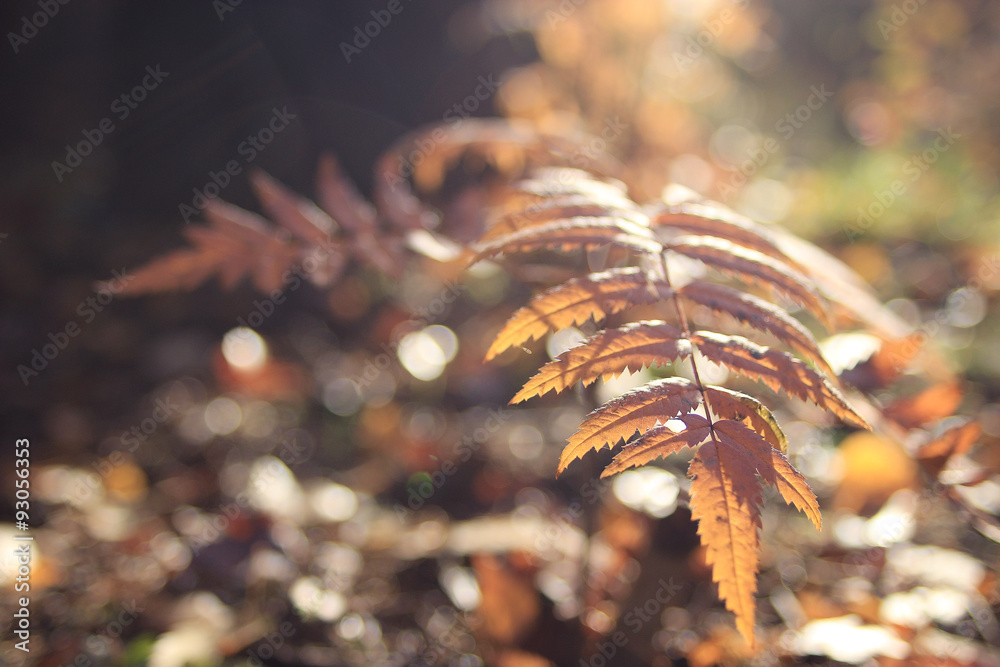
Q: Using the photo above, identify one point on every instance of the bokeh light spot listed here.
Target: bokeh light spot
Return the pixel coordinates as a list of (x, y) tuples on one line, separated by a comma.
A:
[(243, 349)]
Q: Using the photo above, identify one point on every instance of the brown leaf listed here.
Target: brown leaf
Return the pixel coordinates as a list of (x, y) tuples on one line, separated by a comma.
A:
[(236, 244), (730, 404), (773, 467), (752, 266), (704, 219), (574, 234), (296, 214), (510, 606), (776, 369), (956, 440), (563, 208), (758, 314), (895, 355), (574, 302), (885, 364), (725, 501), (341, 199), (566, 181), (608, 354), (660, 441), (936, 402), (634, 411)]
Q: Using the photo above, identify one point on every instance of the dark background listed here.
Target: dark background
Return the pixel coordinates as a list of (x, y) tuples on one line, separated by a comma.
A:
[(227, 71)]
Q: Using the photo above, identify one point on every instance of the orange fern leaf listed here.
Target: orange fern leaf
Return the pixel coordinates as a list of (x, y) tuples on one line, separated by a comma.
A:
[(752, 266), (298, 215), (660, 441), (776, 369), (637, 410), (563, 208), (574, 234), (702, 219), (608, 354), (341, 199), (725, 501), (574, 302), (773, 468), (760, 315), (852, 298), (729, 404)]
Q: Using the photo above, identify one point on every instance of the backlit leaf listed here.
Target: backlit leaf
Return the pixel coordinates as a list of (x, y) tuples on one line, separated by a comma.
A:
[(634, 411), (660, 441), (573, 234), (725, 501), (574, 302), (778, 370), (729, 404), (773, 467), (752, 266), (609, 354), (705, 219), (758, 314)]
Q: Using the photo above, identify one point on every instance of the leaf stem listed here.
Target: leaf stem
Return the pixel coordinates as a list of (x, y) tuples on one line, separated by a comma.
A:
[(686, 330)]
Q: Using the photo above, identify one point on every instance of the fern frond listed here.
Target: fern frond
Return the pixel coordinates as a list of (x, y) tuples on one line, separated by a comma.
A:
[(608, 354), (635, 411), (574, 302), (778, 370), (751, 266)]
